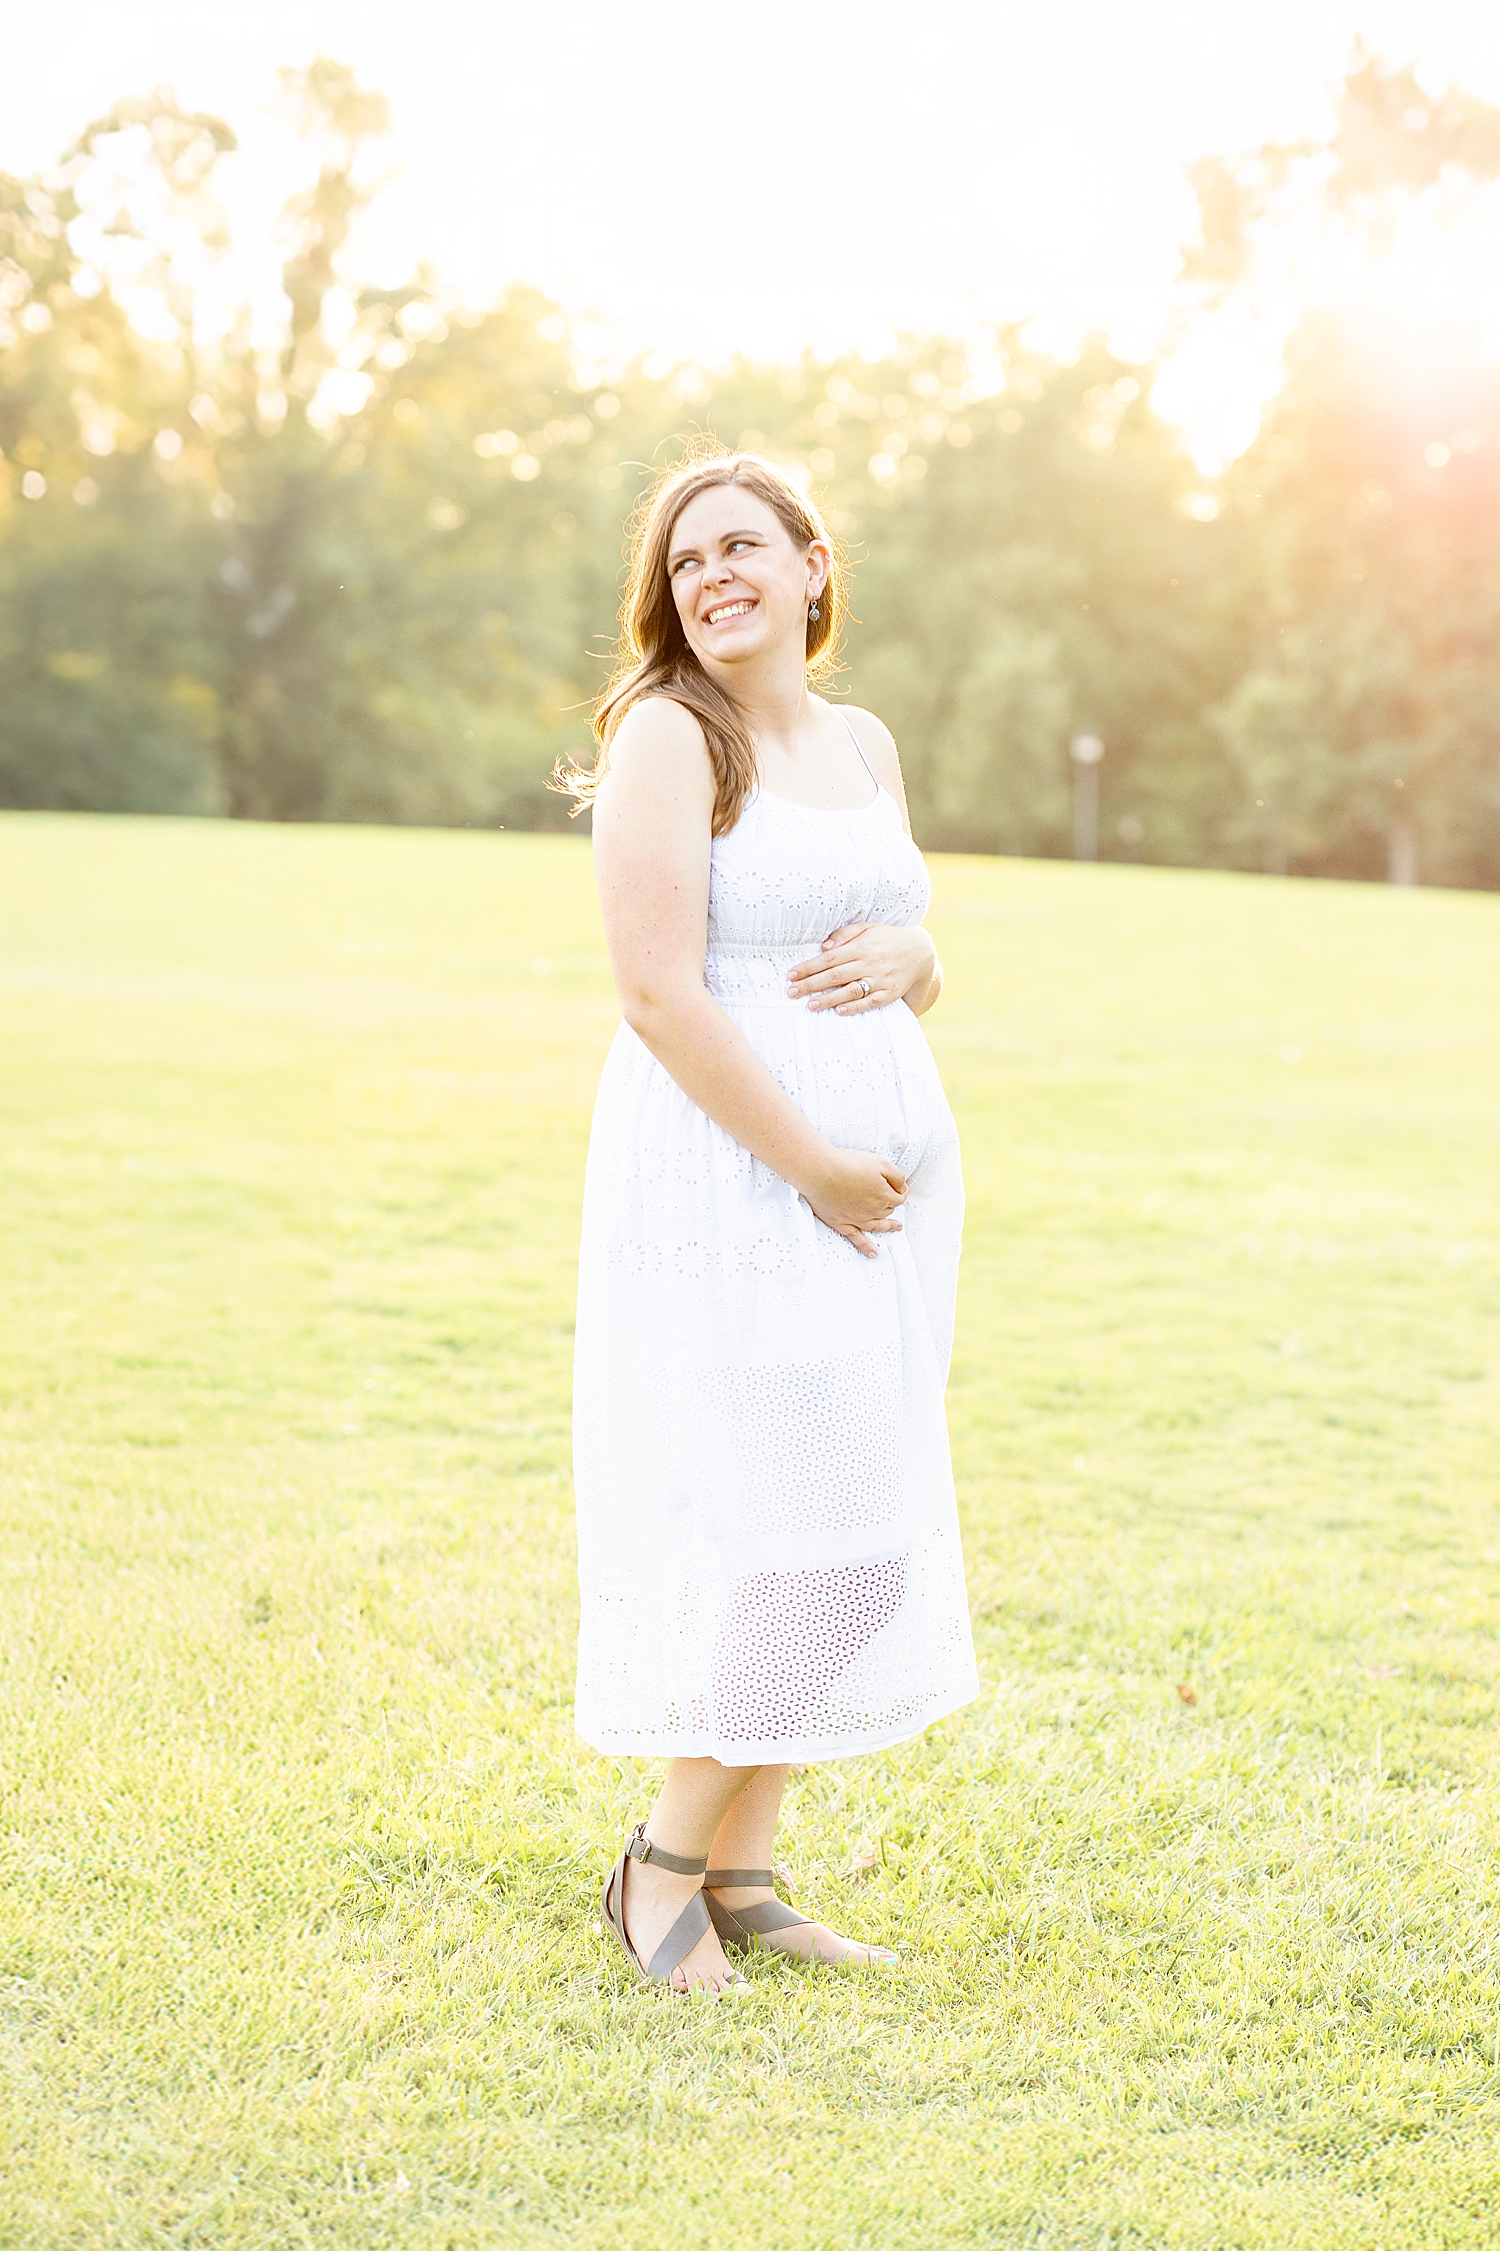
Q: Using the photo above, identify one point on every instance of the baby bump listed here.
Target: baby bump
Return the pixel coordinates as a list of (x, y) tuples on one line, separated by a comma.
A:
[(866, 1081)]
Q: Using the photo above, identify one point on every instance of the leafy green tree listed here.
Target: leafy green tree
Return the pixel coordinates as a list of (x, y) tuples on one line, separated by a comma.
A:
[(1041, 578), (105, 657), (1367, 724), (1363, 728), (372, 571)]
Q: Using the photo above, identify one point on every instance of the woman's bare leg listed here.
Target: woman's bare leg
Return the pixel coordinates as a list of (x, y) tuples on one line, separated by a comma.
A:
[(689, 1809), (745, 1838)]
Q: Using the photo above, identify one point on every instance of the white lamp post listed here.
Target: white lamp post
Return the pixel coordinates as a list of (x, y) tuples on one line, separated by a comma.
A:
[(1086, 752)]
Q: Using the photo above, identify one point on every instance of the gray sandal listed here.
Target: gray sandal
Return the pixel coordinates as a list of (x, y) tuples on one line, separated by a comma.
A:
[(691, 1925), (740, 1927)]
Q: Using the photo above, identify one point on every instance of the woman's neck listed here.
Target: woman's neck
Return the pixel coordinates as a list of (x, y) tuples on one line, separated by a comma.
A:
[(774, 702)]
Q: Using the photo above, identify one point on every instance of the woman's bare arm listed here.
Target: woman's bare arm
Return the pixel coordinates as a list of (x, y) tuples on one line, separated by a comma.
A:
[(652, 836)]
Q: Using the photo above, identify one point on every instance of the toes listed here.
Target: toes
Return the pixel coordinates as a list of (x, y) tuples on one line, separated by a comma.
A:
[(708, 1982)]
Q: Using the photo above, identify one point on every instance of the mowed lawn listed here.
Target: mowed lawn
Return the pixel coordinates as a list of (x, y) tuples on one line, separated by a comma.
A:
[(298, 1854)]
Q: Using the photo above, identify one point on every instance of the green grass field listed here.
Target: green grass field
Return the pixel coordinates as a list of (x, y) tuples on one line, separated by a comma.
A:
[(298, 1855)]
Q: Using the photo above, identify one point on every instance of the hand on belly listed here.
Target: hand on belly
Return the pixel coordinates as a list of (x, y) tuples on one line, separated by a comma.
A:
[(863, 965)]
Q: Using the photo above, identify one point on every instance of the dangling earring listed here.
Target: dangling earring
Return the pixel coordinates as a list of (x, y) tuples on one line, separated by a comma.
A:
[(814, 614)]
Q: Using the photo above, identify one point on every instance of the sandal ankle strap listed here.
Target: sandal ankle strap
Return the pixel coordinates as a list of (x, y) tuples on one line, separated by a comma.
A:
[(638, 1846), (735, 1879)]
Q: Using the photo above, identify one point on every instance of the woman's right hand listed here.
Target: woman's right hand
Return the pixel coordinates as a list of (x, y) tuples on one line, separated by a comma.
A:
[(855, 1194)]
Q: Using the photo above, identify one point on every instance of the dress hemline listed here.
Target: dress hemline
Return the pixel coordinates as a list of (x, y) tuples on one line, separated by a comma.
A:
[(807, 1750)]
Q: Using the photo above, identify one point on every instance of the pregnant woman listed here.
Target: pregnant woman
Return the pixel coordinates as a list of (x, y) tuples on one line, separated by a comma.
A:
[(768, 1544)]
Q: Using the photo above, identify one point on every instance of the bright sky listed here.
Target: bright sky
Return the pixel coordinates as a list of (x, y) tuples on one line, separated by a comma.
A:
[(786, 173)]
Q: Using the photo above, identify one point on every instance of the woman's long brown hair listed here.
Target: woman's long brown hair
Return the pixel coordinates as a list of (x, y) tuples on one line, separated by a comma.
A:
[(653, 657)]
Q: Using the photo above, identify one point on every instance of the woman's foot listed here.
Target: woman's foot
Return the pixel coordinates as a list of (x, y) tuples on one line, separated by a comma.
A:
[(809, 1942), (653, 1901)]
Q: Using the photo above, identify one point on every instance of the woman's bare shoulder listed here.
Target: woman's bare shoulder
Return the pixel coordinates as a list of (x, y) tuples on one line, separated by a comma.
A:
[(879, 746), (660, 742)]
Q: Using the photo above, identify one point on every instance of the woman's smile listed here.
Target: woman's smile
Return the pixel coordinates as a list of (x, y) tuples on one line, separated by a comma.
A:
[(723, 612)]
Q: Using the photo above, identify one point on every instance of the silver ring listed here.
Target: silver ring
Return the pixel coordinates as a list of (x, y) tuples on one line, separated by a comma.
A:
[(864, 988)]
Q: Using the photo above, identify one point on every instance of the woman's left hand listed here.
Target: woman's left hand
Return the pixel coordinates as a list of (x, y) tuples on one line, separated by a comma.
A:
[(864, 965)]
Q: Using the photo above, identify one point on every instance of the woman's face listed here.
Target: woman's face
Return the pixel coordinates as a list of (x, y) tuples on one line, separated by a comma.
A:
[(740, 584)]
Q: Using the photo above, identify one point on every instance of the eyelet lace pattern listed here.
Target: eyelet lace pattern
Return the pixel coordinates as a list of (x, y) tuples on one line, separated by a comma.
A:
[(768, 1543)]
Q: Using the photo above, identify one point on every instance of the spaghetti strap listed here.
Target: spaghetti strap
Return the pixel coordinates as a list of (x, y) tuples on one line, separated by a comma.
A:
[(859, 746)]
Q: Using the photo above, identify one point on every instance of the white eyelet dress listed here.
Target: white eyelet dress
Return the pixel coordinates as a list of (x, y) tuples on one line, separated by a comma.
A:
[(768, 1543)]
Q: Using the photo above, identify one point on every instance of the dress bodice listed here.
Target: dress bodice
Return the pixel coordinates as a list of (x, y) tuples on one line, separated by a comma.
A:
[(785, 876)]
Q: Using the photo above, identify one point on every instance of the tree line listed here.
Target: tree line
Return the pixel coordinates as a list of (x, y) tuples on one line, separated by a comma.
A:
[(370, 573)]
